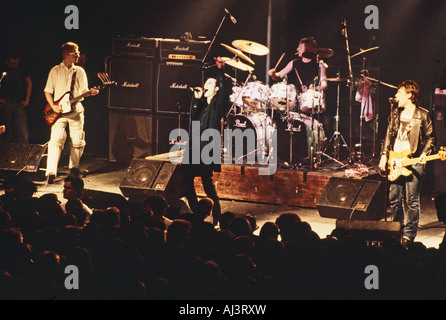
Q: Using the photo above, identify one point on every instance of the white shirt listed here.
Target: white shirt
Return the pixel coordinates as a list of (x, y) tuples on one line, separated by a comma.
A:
[(59, 82)]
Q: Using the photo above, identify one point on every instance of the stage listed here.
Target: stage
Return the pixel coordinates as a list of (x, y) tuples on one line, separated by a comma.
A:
[(243, 191)]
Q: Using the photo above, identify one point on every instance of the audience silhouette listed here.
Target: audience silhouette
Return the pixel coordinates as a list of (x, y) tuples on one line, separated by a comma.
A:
[(142, 253)]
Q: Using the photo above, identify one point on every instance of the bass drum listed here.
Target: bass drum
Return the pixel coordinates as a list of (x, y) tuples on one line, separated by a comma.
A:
[(318, 137), (258, 127)]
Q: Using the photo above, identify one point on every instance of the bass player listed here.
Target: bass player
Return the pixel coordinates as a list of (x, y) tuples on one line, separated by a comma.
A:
[(66, 77)]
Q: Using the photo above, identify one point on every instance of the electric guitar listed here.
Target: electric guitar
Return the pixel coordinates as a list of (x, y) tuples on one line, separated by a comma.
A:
[(67, 104), (398, 162)]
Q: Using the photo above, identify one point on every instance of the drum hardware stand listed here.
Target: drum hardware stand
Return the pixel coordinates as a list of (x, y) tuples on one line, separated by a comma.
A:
[(290, 127), (178, 140), (350, 84), (319, 153), (337, 135)]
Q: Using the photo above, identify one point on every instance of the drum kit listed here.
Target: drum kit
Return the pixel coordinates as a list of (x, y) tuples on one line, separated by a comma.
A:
[(254, 102)]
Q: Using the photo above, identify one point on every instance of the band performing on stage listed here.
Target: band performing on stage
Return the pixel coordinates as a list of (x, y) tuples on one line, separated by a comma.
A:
[(199, 130)]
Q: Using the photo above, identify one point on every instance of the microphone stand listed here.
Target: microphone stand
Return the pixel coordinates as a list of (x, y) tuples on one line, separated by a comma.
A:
[(213, 40)]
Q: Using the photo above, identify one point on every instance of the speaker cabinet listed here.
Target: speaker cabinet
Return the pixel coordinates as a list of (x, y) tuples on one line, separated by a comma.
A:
[(134, 78), (130, 135), (164, 126), (372, 232), (352, 199), (149, 177), (21, 157), (172, 85)]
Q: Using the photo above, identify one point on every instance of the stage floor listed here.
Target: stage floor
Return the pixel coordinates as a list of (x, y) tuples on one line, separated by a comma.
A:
[(105, 176)]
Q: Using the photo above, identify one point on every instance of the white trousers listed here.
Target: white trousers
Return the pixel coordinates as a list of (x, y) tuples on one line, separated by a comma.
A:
[(75, 123)]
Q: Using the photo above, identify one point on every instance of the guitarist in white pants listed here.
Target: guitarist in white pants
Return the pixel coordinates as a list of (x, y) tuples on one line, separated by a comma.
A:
[(64, 78), (410, 132)]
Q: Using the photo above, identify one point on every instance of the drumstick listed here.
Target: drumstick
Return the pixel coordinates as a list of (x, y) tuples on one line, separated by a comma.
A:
[(283, 54), (297, 73)]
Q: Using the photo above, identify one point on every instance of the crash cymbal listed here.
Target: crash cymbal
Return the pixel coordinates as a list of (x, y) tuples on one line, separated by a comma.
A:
[(322, 53), (237, 64), (251, 47), (337, 79), (238, 53)]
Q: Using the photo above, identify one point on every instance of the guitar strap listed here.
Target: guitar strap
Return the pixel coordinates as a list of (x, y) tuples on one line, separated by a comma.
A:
[(73, 81)]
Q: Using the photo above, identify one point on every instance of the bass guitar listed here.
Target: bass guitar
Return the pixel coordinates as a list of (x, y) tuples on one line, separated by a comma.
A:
[(67, 103), (399, 161)]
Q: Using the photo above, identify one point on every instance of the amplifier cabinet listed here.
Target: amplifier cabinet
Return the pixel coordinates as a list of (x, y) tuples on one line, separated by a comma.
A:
[(135, 47), (173, 49), (172, 94), (134, 83)]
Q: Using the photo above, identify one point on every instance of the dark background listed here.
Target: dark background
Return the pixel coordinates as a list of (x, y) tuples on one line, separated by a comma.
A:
[(411, 40)]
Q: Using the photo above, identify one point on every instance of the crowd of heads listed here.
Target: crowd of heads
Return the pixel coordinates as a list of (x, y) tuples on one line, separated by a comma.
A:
[(153, 251)]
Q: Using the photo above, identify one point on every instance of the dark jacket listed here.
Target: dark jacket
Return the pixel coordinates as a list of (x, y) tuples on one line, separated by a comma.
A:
[(210, 116), (421, 137)]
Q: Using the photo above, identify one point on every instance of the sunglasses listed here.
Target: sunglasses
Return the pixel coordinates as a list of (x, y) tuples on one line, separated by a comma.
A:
[(77, 54)]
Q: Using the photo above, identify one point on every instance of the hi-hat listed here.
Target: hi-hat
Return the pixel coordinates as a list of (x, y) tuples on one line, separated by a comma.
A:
[(238, 53), (363, 51), (321, 53), (237, 64), (251, 47)]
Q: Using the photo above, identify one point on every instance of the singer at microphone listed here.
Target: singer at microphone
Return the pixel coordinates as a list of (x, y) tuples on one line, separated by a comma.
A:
[(393, 100), (206, 113)]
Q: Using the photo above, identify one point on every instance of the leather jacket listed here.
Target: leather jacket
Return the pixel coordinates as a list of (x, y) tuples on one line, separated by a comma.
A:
[(421, 137)]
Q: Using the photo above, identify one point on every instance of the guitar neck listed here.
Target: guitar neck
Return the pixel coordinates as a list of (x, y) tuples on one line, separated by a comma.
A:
[(76, 99), (408, 162)]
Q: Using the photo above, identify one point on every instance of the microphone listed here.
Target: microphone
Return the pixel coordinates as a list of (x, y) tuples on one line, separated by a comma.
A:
[(393, 100), (232, 18), (3, 75), (194, 89)]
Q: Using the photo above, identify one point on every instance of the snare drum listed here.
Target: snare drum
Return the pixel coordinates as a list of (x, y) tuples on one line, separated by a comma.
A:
[(256, 94), (279, 93), (236, 97), (312, 101)]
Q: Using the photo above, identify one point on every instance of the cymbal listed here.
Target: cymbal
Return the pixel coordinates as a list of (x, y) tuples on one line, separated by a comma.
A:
[(363, 51), (238, 53), (336, 79), (322, 53), (237, 64), (251, 47)]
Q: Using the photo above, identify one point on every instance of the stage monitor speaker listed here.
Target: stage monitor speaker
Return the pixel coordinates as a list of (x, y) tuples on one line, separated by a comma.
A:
[(21, 156), (130, 135), (372, 232), (149, 177), (96, 199), (164, 126), (134, 78), (172, 85), (352, 199)]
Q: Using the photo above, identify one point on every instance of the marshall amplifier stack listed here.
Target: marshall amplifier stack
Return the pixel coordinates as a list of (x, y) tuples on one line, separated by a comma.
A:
[(152, 95)]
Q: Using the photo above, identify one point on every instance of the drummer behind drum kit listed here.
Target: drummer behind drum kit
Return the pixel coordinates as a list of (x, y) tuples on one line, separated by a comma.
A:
[(254, 102)]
